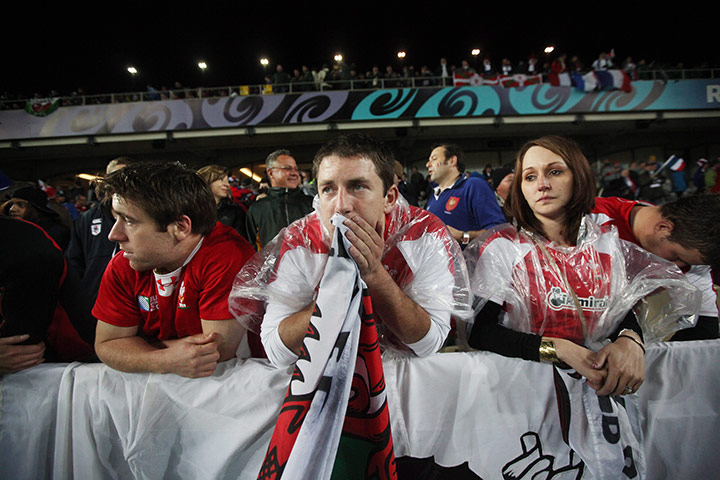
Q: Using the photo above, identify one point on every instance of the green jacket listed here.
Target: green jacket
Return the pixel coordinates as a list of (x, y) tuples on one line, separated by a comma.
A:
[(267, 216)]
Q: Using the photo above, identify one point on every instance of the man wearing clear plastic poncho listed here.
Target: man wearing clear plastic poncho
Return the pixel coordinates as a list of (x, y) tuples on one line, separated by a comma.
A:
[(555, 287), (412, 267)]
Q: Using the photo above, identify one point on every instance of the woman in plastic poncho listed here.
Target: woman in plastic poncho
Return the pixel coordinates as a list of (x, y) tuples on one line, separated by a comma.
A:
[(555, 287)]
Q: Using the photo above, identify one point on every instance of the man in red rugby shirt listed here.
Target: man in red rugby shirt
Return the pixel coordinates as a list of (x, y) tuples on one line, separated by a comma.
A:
[(685, 232), (163, 300)]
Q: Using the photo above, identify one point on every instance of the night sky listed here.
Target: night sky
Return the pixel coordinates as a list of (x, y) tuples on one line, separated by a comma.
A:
[(68, 50)]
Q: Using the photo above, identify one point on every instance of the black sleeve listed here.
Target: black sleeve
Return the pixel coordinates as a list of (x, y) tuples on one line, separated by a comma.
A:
[(31, 268), (629, 322), (705, 329), (488, 334)]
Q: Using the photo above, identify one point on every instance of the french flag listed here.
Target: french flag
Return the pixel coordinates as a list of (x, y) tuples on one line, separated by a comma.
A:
[(676, 164)]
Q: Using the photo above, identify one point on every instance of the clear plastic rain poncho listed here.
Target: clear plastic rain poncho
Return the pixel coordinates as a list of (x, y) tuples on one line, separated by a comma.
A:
[(580, 293), (420, 255)]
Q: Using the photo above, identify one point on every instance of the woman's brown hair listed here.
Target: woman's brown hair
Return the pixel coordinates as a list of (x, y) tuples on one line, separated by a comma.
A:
[(584, 190)]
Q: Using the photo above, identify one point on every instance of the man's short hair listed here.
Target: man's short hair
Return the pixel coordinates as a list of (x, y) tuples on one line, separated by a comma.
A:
[(272, 158), (166, 191), (115, 162), (453, 149), (360, 145), (696, 224), (211, 173)]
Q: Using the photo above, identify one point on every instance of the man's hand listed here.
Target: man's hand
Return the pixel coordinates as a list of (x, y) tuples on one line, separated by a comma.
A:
[(624, 361), (121, 348), (405, 318), (192, 357), (458, 234), (367, 249), (15, 357)]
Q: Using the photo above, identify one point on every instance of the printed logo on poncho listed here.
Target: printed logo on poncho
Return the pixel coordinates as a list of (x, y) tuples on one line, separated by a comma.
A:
[(557, 299), (147, 304), (452, 203)]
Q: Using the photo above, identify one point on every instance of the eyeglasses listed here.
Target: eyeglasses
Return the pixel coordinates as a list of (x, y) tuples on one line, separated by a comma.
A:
[(287, 168)]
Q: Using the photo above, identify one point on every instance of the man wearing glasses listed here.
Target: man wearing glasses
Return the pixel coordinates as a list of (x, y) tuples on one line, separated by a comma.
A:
[(284, 203)]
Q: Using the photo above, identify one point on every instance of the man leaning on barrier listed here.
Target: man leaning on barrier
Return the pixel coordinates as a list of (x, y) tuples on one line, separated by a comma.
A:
[(162, 305)]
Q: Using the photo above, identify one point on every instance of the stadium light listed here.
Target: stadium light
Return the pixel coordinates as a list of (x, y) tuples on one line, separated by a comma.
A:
[(475, 52), (202, 66), (338, 57), (264, 62), (549, 49), (401, 55), (248, 173), (132, 70)]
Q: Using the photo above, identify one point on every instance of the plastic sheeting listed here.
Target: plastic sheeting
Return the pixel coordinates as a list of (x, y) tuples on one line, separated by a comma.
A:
[(544, 286), (420, 255)]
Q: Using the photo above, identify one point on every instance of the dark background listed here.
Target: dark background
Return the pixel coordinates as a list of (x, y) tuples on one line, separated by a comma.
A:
[(89, 46)]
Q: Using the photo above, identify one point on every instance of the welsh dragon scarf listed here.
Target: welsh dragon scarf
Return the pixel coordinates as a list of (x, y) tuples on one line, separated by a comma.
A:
[(335, 420)]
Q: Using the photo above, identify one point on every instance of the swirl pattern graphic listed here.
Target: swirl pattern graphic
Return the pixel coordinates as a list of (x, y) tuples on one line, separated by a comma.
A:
[(469, 101), (314, 107), (385, 104)]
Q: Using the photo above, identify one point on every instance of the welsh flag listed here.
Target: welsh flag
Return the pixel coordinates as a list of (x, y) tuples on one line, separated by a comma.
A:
[(334, 422), (42, 107)]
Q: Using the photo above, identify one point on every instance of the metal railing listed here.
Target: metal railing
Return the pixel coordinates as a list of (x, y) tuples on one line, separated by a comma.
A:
[(300, 87)]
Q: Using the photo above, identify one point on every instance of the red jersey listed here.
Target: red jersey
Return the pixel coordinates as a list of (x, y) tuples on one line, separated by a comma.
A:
[(199, 290), (616, 211), (540, 287)]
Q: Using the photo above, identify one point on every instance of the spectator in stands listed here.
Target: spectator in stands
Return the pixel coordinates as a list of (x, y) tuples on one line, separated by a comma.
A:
[(699, 175), (684, 231), (31, 204), (163, 303), (603, 62), (444, 72), (295, 80), (31, 270), (391, 77), (375, 77), (466, 205), (280, 79), (558, 65), (90, 250), (465, 68), (37, 291), (426, 77), (564, 259), (506, 66), (501, 180), (284, 203), (61, 198), (306, 79), (228, 212), (81, 203), (412, 300), (401, 184), (487, 68), (630, 68)]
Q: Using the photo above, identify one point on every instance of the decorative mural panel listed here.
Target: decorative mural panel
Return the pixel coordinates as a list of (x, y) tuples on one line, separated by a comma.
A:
[(348, 106)]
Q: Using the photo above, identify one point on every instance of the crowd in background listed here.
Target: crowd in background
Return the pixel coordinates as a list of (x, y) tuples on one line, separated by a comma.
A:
[(342, 76)]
